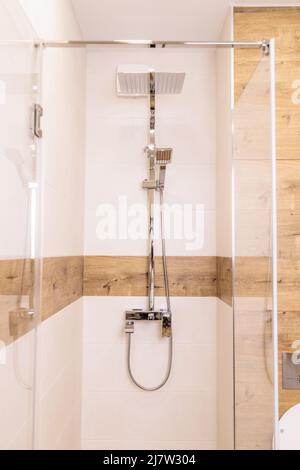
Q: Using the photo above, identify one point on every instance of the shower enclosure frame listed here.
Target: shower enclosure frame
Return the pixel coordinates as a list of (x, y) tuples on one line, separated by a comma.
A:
[(268, 48)]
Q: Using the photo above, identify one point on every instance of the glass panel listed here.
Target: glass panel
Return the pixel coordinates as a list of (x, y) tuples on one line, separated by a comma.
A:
[(19, 80), (225, 380), (252, 279)]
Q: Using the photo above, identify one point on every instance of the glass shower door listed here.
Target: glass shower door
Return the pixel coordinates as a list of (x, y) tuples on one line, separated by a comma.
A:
[(19, 91), (254, 235)]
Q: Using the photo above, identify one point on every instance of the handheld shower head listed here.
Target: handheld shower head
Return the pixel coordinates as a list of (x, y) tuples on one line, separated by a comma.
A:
[(163, 157)]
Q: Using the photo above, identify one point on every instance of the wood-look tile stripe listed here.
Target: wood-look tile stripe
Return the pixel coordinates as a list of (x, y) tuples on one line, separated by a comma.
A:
[(127, 276)]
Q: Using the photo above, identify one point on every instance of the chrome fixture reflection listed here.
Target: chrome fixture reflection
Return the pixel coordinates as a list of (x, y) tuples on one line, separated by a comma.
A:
[(143, 82)]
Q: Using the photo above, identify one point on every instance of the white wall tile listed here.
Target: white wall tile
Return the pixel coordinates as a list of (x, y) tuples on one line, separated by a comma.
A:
[(122, 139), (202, 241), (16, 393), (150, 445), (70, 438), (59, 378), (117, 133), (57, 407), (182, 134), (62, 234), (60, 344), (23, 440), (225, 376), (135, 415), (107, 183), (191, 184), (52, 19), (63, 146), (104, 320), (105, 368), (17, 70)]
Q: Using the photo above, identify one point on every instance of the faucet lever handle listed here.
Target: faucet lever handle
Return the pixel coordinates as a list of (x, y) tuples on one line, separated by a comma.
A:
[(167, 325)]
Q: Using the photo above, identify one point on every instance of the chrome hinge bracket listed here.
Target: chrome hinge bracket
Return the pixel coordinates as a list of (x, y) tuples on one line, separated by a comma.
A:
[(265, 47), (37, 114)]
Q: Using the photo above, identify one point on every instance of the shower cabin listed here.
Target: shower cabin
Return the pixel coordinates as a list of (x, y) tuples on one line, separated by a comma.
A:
[(202, 369)]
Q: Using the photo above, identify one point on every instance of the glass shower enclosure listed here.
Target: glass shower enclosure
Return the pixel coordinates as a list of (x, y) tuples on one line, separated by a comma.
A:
[(19, 254), (255, 252), (246, 263)]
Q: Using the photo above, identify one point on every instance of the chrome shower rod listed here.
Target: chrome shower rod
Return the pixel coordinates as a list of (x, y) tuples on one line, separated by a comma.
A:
[(162, 44)]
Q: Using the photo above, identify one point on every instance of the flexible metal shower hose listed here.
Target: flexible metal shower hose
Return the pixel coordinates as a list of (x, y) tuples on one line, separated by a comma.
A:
[(167, 291)]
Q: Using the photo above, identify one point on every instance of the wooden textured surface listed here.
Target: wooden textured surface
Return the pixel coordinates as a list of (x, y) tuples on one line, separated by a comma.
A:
[(289, 331), (10, 330), (288, 188), (224, 280), (122, 276), (16, 288), (284, 25), (252, 277), (253, 375), (62, 283), (16, 276)]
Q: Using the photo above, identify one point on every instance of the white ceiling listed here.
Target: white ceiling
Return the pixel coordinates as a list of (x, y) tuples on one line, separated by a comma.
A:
[(151, 19)]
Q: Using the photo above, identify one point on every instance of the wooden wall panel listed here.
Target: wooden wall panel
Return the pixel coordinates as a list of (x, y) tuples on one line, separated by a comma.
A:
[(122, 276), (16, 288), (253, 375), (284, 25), (10, 328), (66, 279), (62, 283), (224, 280), (252, 277), (289, 331), (16, 276)]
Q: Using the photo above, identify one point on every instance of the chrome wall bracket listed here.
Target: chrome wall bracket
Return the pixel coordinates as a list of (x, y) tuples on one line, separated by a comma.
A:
[(37, 114), (265, 47), (149, 184), (149, 315)]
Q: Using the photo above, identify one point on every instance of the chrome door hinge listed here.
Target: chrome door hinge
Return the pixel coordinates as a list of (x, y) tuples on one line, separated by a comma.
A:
[(37, 114)]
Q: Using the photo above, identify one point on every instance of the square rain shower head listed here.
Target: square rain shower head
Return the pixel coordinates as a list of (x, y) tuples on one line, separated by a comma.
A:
[(134, 80)]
